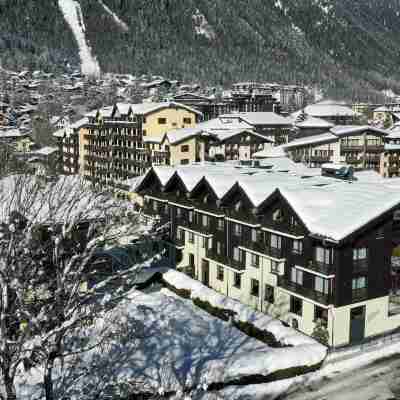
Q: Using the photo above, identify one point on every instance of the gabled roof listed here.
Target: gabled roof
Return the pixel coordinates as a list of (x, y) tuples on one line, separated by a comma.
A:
[(223, 135), (313, 122), (329, 108), (344, 130), (260, 118), (180, 135), (222, 123), (148, 108), (328, 207), (315, 139)]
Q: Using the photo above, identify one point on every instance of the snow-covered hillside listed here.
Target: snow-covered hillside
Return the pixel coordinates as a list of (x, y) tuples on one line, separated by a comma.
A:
[(73, 16)]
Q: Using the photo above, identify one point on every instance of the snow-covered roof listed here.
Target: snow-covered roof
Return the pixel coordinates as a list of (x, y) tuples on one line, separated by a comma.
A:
[(313, 122), (336, 211), (222, 123), (147, 108), (60, 133), (179, 135), (273, 152), (329, 109), (309, 140), (223, 134), (260, 118), (328, 207), (344, 130), (46, 151), (11, 133), (382, 109)]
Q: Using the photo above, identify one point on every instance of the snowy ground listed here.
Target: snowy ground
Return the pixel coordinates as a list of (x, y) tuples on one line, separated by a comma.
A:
[(73, 15)]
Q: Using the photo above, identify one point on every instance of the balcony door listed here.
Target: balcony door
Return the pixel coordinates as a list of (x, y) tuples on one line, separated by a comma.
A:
[(205, 273), (357, 324)]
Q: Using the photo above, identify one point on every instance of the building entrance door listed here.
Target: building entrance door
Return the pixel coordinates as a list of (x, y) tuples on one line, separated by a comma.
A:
[(357, 324)]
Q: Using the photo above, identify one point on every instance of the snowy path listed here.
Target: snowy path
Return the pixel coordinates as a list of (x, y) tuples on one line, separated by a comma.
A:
[(73, 15), (372, 374), (118, 20), (380, 381)]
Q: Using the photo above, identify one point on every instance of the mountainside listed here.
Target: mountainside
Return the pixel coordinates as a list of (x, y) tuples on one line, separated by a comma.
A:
[(349, 47)]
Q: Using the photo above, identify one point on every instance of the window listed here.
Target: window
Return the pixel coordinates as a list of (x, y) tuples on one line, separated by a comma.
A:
[(220, 225), (236, 254), (204, 243), (204, 220), (274, 267), (277, 215), (155, 206), (187, 120), (219, 248), (276, 241), (324, 256), (238, 230), (144, 132), (359, 283), (190, 216), (191, 237), (296, 276), (162, 121), (166, 209), (321, 314), (321, 285), (178, 212), (297, 247), (255, 260), (185, 148), (255, 288), (293, 221), (254, 235), (185, 161), (296, 305), (269, 294), (359, 254), (237, 280), (220, 273)]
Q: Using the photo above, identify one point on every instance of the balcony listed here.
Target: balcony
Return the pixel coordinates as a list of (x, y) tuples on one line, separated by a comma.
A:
[(225, 260), (322, 268), (258, 246), (375, 148), (311, 294), (274, 252), (350, 148)]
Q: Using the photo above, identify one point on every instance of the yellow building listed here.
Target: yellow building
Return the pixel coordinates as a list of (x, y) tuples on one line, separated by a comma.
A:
[(122, 141)]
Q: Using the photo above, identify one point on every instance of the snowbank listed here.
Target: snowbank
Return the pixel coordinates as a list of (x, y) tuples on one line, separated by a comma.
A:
[(73, 15), (285, 335)]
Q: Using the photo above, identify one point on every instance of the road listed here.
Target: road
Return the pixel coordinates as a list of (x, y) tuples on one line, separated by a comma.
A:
[(378, 381)]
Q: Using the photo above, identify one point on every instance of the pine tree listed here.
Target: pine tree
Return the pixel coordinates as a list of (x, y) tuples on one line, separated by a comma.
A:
[(321, 333)]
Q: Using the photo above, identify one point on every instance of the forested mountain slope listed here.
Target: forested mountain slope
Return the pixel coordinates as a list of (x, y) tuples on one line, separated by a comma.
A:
[(347, 46)]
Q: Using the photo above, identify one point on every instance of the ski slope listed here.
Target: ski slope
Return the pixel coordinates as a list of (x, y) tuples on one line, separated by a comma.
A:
[(73, 15), (118, 21)]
